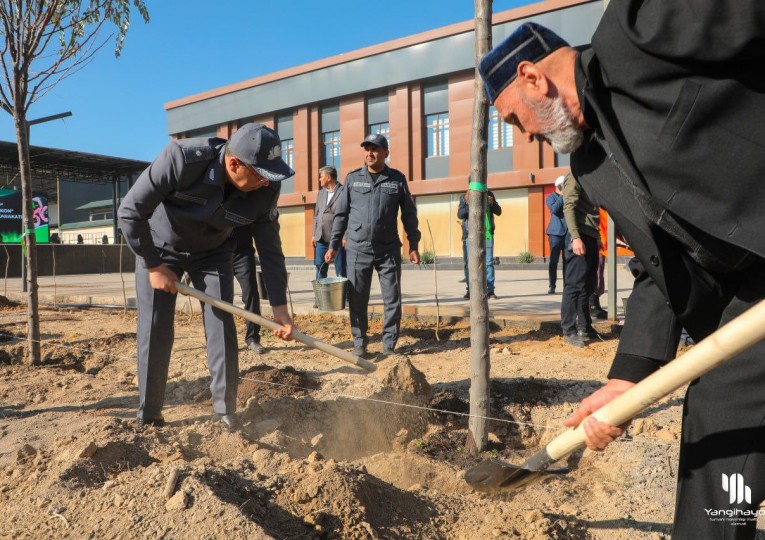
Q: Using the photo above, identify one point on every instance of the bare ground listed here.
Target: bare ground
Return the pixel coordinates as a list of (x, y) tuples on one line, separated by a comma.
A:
[(325, 452)]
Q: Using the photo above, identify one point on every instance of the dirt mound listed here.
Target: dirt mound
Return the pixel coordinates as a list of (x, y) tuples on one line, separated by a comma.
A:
[(346, 502), (265, 383), (6, 303), (12, 354), (404, 377)]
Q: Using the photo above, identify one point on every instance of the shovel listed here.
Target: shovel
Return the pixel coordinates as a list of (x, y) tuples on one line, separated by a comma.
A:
[(493, 475), (271, 325)]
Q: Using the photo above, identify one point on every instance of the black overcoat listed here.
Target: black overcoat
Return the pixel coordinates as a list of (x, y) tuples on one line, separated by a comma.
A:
[(675, 94)]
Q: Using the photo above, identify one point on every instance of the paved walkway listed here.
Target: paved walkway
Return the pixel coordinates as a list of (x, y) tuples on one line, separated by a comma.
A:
[(522, 294)]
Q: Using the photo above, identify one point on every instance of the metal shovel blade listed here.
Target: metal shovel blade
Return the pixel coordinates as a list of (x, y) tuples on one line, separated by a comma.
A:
[(494, 475)]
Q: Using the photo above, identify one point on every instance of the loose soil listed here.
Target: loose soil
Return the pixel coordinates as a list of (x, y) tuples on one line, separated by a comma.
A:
[(326, 451)]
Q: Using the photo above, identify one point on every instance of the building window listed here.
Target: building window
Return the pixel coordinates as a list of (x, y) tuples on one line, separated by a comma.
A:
[(381, 129), (438, 134), (500, 132), (332, 149), (288, 155), (288, 152)]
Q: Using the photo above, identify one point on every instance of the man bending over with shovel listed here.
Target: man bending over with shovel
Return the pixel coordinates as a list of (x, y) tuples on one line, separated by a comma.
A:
[(178, 217), (665, 119)]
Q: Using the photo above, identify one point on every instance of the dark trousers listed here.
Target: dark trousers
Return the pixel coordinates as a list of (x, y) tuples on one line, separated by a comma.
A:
[(245, 271), (600, 282), (557, 245), (580, 276), (388, 266), (724, 434), (465, 259), (210, 272), (322, 268)]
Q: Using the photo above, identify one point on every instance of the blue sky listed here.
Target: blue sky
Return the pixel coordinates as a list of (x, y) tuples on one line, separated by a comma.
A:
[(190, 46)]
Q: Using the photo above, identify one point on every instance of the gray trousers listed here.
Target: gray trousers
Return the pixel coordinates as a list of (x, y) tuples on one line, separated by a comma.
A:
[(210, 272), (388, 266)]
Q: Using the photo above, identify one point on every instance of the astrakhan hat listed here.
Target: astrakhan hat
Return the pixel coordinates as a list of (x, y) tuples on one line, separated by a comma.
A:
[(530, 42)]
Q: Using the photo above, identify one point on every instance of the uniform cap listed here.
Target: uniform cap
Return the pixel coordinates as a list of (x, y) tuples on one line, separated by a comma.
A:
[(376, 139), (261, 148), (530, 42)]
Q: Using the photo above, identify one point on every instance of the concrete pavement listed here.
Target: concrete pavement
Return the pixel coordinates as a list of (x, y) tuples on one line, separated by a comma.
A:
[(522, 294)]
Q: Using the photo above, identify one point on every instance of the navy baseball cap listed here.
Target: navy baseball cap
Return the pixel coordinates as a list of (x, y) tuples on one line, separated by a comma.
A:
[(530, 42), (261, 148), (376, 139)]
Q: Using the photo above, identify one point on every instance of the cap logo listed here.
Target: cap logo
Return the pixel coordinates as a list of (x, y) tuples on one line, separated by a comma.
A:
[(275, 153)]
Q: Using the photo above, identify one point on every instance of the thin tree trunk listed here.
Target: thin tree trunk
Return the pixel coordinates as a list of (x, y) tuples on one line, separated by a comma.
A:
[(479, 307), (29, 243), (435, 281)]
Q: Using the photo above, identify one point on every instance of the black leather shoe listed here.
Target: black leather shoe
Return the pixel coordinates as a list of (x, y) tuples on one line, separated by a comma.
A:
[(229, 420), (574, 340), (491, 296), (588, 334), (551, 290), (467, 296), (596, 311), (156, 422), (256, 347)]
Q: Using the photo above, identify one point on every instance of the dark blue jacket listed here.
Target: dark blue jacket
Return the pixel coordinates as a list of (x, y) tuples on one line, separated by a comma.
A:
[(557, 226)]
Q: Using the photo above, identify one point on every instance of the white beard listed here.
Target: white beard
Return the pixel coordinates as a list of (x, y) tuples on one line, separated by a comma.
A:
[(557, 126)]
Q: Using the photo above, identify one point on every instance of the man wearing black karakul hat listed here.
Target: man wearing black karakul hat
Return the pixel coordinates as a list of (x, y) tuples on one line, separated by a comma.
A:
[(665, 120)]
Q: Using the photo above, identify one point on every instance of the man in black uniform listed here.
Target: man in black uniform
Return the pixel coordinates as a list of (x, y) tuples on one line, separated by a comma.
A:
[(666, 122), (178, 217), (368, 208)]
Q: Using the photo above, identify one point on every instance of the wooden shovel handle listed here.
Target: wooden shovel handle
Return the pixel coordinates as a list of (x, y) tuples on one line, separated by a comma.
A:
[(733, 338), (271, 325)]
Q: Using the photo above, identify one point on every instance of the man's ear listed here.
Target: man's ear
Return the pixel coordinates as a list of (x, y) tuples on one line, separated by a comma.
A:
[(532, 78), (232, 163)]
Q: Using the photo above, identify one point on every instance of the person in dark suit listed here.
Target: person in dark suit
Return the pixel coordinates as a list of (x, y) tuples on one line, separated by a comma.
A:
[(323, 213), (556, 233), (665, 121)]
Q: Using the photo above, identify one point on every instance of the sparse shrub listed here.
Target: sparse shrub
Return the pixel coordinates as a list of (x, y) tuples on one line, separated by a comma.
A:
[(526, 257), (427, 257)]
